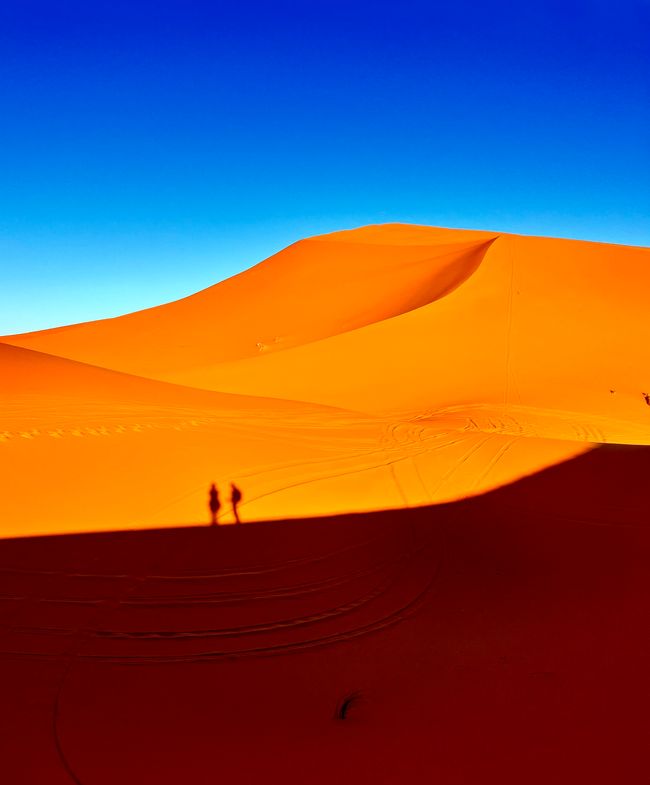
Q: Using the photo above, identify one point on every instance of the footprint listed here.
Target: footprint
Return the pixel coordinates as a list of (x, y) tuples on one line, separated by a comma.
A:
[(346, 704)]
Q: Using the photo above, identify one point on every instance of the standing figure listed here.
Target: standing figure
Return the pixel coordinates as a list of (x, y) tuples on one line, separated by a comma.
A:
[(235, 498), (214, 503)]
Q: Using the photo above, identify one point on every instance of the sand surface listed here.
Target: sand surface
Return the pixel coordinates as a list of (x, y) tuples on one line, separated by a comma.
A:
[(477, 399), (408, 365)]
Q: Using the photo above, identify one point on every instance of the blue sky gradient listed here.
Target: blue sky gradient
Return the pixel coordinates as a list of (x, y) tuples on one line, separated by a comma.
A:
[(148, 150)]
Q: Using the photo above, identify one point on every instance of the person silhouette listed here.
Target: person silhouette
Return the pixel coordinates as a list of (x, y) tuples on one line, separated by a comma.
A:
[(214, 503), (235, 498)]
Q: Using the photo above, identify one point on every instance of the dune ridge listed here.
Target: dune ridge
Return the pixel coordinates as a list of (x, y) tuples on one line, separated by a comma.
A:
[(304, 293)]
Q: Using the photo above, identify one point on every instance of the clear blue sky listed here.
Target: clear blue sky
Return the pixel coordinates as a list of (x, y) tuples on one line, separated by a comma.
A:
[(148, 150)]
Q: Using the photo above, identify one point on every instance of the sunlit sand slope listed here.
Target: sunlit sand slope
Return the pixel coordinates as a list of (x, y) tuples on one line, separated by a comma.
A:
[(406, 318), (313, 289), (550, 325), (431, 364), (501, 639), (83, 448), (80, 442)]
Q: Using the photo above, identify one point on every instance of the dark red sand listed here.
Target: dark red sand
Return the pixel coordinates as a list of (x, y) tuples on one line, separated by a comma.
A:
[(501, 639)]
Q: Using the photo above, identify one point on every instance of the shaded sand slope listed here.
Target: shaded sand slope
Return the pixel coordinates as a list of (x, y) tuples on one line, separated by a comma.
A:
[(84, 448), (26, 372), (313, 289), (500, 639)]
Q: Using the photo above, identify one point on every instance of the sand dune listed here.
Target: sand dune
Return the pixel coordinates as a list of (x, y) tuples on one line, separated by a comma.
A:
[(448, 317), (542, 323), (86, 448), (314, 289), (383, 367), (403, 318), (496, 632)]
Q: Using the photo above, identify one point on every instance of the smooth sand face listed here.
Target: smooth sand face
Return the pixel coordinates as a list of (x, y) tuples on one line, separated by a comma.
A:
[(408, 365), (313, 289)]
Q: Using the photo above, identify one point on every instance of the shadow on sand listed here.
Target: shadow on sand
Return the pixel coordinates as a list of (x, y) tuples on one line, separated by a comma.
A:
[(501, 638)]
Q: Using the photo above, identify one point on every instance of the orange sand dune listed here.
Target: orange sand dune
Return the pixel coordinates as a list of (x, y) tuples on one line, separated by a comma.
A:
[(84, 448), (455, 362), (314, 289), (501, 639), (541, 323), (87, 448), (404, 318), (495, 633)]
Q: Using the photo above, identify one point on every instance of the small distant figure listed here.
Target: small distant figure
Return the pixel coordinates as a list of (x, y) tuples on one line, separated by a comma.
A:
[(646, 398), (235, 498), (214, 503)]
